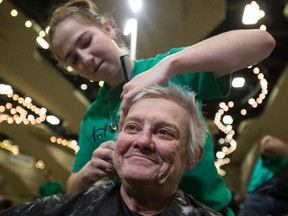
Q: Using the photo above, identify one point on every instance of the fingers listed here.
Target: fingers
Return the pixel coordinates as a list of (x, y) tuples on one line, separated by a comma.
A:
[(102, 168), (107, 145), (126, 102), (101, 163), (121, 122), (105, 151), (125, 105), (129, 91), (125, 90)]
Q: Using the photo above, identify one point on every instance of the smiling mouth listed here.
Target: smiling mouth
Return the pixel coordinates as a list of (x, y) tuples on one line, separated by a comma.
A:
[(142, 157), (96, 70)]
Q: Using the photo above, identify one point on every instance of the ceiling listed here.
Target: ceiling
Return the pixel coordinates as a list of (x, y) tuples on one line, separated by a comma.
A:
[(162, 24)]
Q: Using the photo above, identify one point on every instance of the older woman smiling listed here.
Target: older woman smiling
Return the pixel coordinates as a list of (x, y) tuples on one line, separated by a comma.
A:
[(161, 137)]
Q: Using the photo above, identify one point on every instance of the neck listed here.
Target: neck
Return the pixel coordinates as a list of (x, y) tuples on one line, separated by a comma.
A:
[(144, 200), (116, 81), (119, 78)]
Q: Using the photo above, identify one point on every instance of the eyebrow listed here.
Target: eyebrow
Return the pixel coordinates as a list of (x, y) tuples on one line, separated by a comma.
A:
[(133, 118), (76, 44)]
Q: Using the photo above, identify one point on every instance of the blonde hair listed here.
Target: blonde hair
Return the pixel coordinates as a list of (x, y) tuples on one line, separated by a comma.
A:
[(84, 11)]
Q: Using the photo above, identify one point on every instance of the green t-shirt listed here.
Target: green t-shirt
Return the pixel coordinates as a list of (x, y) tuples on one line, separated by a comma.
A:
[(264, 170), (51, 188), (203, 182)]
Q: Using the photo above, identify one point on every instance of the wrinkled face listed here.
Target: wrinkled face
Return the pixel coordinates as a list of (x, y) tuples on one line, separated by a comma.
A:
[(151, 145), (90, 50)]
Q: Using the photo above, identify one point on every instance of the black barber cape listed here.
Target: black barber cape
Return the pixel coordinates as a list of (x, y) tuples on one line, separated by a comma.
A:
[(102, 199)]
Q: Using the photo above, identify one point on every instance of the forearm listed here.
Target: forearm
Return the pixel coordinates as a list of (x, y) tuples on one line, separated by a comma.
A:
[(77, 182), (271, 146), (223, 53)]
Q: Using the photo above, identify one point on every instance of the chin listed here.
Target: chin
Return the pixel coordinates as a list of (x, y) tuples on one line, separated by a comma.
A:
[(137, 175)]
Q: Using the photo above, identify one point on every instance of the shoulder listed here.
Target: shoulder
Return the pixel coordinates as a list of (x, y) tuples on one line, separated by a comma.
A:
[(187, 205), (100, 187), (141, 65), (59, 204), (45, 206)]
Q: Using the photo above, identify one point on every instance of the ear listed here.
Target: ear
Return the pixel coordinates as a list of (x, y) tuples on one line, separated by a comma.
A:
[(191, 162), (107, 28)]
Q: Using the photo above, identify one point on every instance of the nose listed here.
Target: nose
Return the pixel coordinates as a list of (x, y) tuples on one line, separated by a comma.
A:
[(86, 58), (144, 141)]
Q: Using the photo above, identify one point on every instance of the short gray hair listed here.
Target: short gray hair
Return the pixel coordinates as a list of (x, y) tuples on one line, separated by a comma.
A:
[(184, 97)]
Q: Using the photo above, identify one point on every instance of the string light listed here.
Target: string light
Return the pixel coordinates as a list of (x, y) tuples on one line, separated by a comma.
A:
[(28, 24), (21, 114), (72, 144), (84, 87), (227, 128), (263, 27), (101, 83), (252, 13), (42, 42), (40, 164), (14, 13), (42, 33), (8, 145), (69, 69), (135, 5)]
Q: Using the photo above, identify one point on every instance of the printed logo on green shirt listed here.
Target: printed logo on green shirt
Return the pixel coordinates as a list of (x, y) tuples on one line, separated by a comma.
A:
[(98, 134)]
